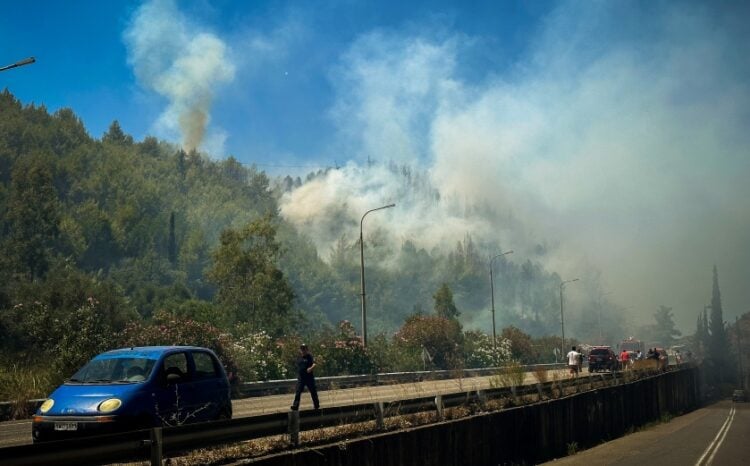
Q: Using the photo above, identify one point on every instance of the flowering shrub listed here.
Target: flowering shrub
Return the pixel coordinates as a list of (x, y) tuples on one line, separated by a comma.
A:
[(167, 329), (439, 336), (259, 357), (341, 352), (479, 351)]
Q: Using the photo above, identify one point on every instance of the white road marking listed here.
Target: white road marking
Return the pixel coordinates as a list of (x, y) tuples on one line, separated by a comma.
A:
[(713, 447)]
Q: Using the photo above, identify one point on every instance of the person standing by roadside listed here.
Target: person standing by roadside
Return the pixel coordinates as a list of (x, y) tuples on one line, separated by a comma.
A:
[(624, 359), (305, 377), (573, 361)]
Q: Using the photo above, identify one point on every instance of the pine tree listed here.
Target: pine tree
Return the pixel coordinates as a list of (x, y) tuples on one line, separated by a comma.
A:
[(665, 329), (444, 305), (250, 286), (115, 135)]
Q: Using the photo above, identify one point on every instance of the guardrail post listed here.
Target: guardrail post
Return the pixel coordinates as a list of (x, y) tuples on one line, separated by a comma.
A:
[(156, 453), (440, 407), (481, 399), (294, 427), (379, 422), (539, 391)]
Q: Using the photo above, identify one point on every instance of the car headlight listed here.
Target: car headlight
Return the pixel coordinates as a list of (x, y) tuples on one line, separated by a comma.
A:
[(107, 406), (46, 405)]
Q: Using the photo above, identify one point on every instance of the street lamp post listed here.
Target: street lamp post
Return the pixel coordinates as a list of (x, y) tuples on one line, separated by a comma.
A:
[(562, 316), (362, 271), (25, 61), (601, 298), (492, 295)]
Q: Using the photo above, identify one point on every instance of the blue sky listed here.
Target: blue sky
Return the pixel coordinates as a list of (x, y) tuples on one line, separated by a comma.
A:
[(276, 107), (612, 132)]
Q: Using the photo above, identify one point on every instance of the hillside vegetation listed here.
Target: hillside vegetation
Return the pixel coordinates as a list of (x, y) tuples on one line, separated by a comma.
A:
[(112, 241)]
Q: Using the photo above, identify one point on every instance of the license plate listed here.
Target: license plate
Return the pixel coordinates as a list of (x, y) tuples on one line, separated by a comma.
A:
[(67, 426)]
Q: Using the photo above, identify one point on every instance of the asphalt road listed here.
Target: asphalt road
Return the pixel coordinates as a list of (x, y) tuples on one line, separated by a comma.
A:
[(718, 434), (19, 432)]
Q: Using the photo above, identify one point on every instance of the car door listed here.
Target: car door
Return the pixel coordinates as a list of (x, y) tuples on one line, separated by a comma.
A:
[(175, 401), (210, 386)]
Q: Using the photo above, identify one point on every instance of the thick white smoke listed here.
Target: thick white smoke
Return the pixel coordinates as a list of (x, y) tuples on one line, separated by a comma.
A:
[(625, 149), (174, 58)]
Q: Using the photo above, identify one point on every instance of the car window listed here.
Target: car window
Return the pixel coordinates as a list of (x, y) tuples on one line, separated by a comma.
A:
[(176, 364), (599, 351), (96, 370), (204, 366), (114, 369)]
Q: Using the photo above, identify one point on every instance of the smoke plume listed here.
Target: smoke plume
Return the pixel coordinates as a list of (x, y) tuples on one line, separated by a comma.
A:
[(173, 57), (620, 144)]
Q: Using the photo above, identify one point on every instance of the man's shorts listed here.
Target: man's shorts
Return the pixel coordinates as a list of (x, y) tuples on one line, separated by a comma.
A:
[(573, 369)]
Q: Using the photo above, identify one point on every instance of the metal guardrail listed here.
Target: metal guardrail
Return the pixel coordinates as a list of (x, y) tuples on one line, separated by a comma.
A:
[(249, 389), (138, 445), (252, 389)]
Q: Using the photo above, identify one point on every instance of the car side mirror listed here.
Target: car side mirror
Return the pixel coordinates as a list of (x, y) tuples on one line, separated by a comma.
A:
[(173, 378)]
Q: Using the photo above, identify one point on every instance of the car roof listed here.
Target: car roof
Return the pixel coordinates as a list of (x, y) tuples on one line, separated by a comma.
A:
[(601, 347), (146, 352)]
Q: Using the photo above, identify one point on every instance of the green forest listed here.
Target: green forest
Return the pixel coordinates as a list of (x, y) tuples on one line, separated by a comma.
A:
[(111, 242)]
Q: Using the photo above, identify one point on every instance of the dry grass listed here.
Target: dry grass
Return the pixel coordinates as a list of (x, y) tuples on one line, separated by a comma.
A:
[(541, 374), (224, 454), (511, 375), (19, 385)]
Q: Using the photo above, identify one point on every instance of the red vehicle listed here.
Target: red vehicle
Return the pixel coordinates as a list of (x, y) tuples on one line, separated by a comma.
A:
[(602, 358)]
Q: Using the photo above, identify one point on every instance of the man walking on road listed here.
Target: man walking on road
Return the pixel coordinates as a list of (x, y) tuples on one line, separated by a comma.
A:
[(305, 378), (573, 356)]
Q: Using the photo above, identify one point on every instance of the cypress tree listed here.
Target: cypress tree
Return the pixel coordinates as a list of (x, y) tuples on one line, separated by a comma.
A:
[(172, 241), (718, 343)]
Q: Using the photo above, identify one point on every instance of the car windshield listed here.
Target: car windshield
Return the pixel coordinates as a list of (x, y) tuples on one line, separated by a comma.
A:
[(599, 351), (117, 370)]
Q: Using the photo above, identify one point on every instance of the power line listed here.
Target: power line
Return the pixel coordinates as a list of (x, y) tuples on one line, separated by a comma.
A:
[(272, 165)]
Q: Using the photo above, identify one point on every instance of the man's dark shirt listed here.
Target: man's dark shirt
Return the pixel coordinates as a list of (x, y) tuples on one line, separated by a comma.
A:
[(303, 363)]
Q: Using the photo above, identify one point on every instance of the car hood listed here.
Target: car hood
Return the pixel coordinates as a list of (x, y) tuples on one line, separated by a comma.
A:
[(78, 399)]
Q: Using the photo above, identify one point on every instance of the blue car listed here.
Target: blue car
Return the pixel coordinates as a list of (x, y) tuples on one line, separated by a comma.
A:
[(136, 388)]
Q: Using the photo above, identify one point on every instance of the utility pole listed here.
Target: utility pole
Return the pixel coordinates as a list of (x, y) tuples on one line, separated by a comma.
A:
[(492, 295)]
